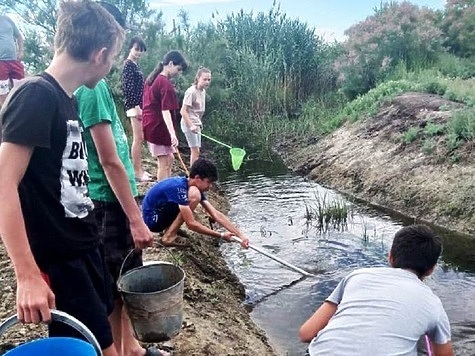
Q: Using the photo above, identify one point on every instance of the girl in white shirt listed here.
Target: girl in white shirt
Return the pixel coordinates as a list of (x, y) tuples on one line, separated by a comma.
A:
[(192, 111)]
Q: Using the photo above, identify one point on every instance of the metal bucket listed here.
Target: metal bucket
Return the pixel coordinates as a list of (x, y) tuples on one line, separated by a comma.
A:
[(153, 298), (56, 346)]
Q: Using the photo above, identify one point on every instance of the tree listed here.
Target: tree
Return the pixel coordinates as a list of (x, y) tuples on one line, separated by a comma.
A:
[(40, 15), (459, 27), (397, 32)]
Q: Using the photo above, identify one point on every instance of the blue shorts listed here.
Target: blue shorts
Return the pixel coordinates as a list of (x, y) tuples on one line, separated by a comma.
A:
[(163, 217), (193, 139), (82, 287)]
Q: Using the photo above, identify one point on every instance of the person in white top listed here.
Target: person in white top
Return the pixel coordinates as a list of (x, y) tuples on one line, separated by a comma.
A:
[(11, 54), (384, 310), (192, 111)]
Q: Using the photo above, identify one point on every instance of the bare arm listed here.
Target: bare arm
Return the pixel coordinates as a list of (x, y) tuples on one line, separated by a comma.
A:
[(317, 321), (224, 221), (19, 41), (442, 349), (188, 217), (34, 297), (186, 117), (119, 182), (167, 117)]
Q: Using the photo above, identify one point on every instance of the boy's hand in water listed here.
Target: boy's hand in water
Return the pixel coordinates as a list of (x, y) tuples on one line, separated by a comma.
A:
[(245, 242), (228, 236)]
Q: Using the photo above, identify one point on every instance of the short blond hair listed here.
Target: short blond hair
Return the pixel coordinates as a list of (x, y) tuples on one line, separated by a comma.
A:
[(83, 27)]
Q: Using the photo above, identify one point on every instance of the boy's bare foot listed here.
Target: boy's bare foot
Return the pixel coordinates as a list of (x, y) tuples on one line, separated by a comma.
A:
[(178, 242), (153, 351)]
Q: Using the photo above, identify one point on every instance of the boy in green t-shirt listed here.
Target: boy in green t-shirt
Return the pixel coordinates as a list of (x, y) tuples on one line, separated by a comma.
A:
[(112, 189)]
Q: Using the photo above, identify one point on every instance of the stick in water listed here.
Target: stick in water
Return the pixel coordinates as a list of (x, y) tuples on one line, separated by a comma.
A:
[(275, 258)]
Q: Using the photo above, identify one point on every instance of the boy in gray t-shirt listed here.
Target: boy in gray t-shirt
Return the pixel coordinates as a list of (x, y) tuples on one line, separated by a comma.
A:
[(384, 310)]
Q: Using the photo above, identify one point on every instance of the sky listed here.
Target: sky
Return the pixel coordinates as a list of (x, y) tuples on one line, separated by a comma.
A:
[(330, 18)]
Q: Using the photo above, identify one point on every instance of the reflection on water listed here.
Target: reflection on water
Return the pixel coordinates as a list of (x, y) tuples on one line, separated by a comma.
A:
[(269, 205)]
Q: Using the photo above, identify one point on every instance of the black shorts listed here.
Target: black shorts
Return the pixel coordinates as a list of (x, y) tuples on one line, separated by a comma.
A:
[(164, 217), (114, 230), (82, 288)]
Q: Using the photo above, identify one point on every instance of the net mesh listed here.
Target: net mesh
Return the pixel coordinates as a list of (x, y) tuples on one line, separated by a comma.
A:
[(237, 156)]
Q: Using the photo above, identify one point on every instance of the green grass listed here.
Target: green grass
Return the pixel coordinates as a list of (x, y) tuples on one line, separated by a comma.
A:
[(411, 135), (462, 125), (432, 129), (429, 146), (317, 119)]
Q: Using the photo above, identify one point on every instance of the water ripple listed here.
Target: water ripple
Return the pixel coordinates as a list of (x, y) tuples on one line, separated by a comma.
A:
[(271, 210)]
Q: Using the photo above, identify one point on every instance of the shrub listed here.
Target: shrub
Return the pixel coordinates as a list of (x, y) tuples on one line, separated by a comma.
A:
[(462, 125), (452, 66), (428, 147), (435, 87), (396, 32), (432, 129), (411, 135)]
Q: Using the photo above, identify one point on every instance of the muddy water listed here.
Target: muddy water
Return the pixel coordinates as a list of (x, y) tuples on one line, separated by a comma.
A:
[(269, 204)]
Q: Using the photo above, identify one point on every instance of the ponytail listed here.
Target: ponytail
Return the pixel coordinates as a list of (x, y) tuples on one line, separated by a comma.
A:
[(152, 76), (173, 56)]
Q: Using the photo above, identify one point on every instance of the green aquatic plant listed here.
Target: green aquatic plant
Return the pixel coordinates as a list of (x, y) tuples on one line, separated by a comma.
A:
[(364, 229), (327, 213)]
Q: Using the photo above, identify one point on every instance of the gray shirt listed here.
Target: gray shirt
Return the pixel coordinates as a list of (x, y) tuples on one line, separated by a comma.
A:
[(8, 35), (195, 99), (381, 311)]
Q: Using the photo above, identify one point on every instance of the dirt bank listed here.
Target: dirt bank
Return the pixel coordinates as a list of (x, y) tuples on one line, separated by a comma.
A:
[(370, 160), (215, 321)]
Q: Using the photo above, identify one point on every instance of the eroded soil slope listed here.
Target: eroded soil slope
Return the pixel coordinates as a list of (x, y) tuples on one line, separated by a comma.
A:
[(370, 160), (215, 321)]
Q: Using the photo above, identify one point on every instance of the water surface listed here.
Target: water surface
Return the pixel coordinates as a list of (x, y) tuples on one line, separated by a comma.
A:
[(269, 204)]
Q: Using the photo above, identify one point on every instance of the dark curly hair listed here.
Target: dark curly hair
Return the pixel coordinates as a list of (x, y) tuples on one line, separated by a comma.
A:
[(416, 247), (205, 169)]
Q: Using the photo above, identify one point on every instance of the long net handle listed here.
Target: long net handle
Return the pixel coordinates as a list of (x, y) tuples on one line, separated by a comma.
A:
[(62, 317), (275, 258), (215, 140)]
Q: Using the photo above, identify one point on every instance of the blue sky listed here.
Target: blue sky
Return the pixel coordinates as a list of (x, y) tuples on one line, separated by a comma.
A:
[(329, 17)]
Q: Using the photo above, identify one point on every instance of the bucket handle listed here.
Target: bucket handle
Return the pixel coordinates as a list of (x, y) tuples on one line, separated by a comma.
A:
[(123, 263), (175, 259), (63, 317)]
